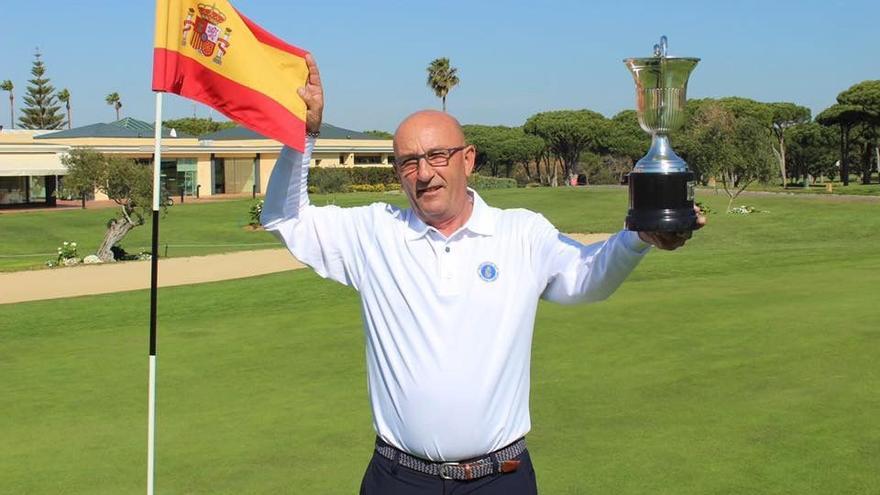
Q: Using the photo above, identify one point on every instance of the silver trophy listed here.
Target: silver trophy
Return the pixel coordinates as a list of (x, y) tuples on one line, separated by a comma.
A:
[(661, 187)]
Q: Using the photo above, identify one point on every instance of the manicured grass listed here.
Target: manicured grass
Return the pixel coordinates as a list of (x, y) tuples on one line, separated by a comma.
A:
[(197, 229), (190, 229), (217, 227), (744, 363), (855, 188)]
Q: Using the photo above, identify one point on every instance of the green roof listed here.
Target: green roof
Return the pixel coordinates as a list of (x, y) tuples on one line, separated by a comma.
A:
[(327, 132), (123, 128)]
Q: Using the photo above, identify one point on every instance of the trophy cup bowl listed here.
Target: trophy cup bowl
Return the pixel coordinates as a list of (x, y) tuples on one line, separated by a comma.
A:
[(661, 187)]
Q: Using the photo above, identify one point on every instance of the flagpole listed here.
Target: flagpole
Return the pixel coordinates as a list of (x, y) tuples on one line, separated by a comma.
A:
[(154, 258)]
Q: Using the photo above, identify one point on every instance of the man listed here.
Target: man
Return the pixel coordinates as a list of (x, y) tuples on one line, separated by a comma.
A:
[(449, 289)]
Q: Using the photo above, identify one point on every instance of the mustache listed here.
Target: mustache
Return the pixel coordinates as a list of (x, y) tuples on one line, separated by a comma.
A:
[(428, 185)]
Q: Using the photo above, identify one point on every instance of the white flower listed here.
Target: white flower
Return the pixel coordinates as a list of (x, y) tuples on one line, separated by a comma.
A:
[(73, 244), (66, 243)]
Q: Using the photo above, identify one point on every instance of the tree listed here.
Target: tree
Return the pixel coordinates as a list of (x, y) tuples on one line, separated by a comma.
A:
[(500, 148), (64, 97), (128, 184), (442, 78), (845, 117), (379, 134), (113, 100), (866, 96), (785, 115), (734, 148), (8, 86), (569, 133), (812, 150), (40, 110), (197, 126)]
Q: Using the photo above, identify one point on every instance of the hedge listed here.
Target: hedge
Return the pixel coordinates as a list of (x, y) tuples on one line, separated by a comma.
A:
[(479, 182), (344, 179)]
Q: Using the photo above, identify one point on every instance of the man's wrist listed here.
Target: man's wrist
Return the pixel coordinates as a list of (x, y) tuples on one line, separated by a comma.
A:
[(637, 242)]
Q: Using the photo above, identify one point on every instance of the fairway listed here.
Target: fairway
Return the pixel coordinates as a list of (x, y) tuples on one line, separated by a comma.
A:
[(744, 363)]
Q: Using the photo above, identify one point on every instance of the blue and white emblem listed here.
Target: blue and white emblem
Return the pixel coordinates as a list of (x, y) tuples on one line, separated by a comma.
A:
[(488, 271)]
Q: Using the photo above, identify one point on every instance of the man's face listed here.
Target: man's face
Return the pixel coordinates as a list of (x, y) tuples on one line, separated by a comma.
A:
[(437, 194)]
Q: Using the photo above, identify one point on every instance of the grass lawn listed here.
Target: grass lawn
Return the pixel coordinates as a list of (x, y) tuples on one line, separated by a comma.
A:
[(190, 229), (855, 188), (205, 228), (744, 363)]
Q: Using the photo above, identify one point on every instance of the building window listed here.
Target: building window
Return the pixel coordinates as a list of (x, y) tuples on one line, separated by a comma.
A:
[(13, 190), (364, 159), (219, 176), (37, 191)]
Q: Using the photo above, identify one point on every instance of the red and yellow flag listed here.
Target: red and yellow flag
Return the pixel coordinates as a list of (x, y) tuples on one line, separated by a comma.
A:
[(210, 53)]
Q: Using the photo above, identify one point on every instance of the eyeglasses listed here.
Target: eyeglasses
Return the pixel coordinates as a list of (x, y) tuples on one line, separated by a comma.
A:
[(435, 158)]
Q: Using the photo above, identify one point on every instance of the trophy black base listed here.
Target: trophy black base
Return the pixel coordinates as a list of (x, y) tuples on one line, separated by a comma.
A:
[(661, 202)]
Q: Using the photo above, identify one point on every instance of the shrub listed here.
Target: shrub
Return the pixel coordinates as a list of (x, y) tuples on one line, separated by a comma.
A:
[(372, 175), (329, 180), (67, 255), (254, 213), (480, 182), (367, 188)]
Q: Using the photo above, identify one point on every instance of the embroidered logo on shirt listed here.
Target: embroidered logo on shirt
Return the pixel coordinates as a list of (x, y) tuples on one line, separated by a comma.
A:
[(488, 271)]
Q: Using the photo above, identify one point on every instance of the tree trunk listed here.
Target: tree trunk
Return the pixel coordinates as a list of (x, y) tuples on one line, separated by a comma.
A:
[(529, 171), (444, 103), (844, 151), (69, 123), (11, 111), (116, 230), (877, 157), (782, 160), (866, 164)]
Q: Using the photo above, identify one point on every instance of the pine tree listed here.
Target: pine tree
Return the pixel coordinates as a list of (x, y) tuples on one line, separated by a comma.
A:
[(40, 110)]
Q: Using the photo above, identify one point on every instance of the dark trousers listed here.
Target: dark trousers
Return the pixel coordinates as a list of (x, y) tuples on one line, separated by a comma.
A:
[(387, 477)]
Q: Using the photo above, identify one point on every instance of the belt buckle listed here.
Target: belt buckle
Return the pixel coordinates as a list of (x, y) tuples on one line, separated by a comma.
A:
[(443, 469)]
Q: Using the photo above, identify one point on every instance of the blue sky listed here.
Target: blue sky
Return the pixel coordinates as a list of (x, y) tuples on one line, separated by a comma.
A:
[(515, 58)]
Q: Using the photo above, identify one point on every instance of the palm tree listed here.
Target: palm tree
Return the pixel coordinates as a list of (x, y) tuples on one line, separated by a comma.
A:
[(8, 86), (64, 96), (442, 78), (114, 100)]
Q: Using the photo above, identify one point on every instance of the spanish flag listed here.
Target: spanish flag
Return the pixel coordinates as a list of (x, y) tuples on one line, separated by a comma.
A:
[(210, 53)]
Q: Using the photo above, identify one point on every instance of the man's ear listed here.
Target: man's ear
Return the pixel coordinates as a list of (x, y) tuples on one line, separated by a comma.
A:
[(470, 159)]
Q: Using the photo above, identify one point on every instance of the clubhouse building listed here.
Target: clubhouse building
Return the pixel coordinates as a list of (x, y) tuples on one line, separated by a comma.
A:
[(229, 162)]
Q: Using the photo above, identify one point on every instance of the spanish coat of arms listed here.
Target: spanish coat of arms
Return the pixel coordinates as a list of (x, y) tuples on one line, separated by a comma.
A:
[(204, 32)]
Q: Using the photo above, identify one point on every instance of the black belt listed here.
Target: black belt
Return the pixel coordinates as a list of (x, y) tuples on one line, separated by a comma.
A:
[(500, 461)]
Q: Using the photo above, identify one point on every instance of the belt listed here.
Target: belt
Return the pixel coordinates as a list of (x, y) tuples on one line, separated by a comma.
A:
[(500, 461)]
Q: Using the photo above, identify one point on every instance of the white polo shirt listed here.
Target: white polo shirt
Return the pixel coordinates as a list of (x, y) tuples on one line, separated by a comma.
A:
[(448, 320)]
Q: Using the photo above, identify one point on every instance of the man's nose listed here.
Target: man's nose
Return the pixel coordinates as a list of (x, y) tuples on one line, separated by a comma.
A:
[(424, 170)]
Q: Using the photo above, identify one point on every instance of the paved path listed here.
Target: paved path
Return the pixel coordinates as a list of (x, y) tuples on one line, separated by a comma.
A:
[(135, 275)]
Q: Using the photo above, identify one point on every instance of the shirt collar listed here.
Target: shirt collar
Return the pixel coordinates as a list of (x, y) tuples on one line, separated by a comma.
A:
[(481, 221)]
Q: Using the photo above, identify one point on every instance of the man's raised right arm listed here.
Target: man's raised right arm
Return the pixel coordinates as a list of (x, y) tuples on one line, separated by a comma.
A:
[(325, 238)]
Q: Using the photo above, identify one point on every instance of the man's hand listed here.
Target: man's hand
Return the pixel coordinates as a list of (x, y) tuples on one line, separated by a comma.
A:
[(313, 95), (672, 240)]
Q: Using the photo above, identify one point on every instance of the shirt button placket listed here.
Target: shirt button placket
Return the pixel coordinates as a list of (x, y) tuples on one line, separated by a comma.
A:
[(446, 271)]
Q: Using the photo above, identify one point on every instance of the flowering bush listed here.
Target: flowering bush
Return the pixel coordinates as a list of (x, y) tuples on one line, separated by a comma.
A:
[(67, 255), (704, 208), (255, 211), (744, 210)]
